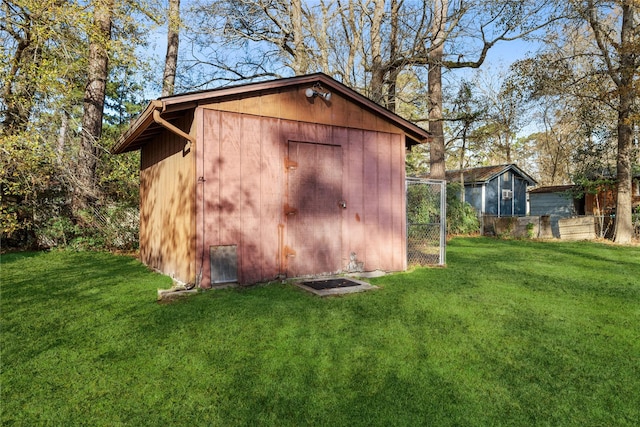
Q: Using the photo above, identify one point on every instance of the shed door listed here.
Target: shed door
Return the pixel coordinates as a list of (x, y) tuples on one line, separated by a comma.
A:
[(313, 210)]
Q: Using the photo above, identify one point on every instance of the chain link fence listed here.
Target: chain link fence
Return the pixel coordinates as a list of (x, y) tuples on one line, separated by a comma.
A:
[(426, 228)]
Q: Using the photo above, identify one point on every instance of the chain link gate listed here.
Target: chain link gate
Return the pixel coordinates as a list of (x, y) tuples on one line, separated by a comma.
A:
[(426, 221)]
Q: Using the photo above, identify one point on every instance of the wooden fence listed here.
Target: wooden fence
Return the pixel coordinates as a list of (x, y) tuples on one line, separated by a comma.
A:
[(539, 227), (582, 228)]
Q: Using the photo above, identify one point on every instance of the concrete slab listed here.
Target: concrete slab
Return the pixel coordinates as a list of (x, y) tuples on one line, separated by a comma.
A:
[(367, 274)]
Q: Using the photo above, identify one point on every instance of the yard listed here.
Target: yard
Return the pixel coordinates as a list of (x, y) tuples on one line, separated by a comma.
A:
[(510, 333)]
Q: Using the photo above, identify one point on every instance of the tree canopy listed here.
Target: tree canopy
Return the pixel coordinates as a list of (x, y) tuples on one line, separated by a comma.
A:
[(74, 73)]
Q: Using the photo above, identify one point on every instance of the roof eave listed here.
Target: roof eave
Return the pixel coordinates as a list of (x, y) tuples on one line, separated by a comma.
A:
[(526, 176), (136, 128), (469, 179), (191, 100)]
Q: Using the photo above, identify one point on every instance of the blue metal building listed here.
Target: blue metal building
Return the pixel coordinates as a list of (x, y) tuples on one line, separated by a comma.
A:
[(499, 190), (556, 202)]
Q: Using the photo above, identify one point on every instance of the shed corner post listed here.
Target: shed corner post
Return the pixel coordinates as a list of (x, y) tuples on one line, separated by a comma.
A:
[(199, 195)]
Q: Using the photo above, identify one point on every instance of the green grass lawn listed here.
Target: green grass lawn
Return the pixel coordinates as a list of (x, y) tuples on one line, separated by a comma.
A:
[(510, 333)]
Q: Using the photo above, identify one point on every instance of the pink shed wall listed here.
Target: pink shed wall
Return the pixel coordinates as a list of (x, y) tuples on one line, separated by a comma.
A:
[(242, 171)]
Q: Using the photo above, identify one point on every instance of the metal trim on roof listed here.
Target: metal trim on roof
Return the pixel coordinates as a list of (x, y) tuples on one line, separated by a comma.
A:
[(484, 174)]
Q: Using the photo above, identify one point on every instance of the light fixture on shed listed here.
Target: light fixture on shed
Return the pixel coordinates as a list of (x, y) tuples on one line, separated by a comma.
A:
[(317, 90)]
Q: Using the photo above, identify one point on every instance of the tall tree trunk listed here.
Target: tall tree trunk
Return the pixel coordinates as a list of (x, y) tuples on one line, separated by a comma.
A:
[(434, 77), (353, 39), (323, 39), (507, 146), (627, 97), (173, 41), (394, 71), (300, 62), (622, 75), (94, 96), (624, 224), (377, 70)]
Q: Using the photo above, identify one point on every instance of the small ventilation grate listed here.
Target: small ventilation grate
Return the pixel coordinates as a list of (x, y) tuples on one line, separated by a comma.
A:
[(224, 264)]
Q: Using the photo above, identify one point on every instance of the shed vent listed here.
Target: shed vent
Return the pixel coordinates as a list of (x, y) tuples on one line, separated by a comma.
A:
[(224, 264)]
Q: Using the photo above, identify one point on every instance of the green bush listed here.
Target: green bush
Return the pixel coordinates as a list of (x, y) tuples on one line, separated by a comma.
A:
[(461, 216), (423, 207), (423, 204), (37, 186)]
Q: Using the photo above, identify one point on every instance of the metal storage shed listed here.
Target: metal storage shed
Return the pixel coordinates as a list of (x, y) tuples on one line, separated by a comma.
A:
[(556, 202), (283, 178), (499, 190)]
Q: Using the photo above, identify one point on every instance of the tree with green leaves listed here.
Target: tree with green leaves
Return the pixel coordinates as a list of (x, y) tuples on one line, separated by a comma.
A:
[(461, 36), (467, 113), (39, 60), (594, 59), (94, 99), (47, 142)]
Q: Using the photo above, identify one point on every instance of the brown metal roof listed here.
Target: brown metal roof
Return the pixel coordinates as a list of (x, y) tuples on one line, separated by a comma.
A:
[(485, 174), (144, 127), (553, 189)]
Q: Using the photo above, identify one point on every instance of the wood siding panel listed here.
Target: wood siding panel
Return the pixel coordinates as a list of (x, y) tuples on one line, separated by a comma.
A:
[(252, 103), (167, 205), (290, 131), (150, 207), (293, 105), (189, 152), (371, 201), (230, 183), (311, 132), (398, 201), (147, 209), (272, 194), (212, 164), (519, 196), (208, 195), (250, 208), (245, 192), (352, 190), (385, 205), (269, 106), (349, 115)]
